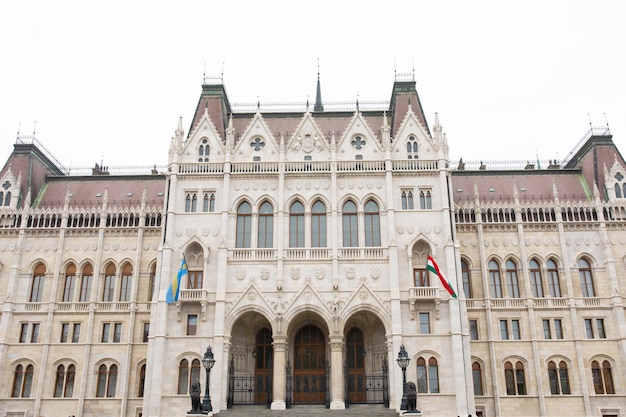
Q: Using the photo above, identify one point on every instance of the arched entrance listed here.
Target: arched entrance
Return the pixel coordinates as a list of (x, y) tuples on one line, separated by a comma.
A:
[(262, 354), (309, 369)]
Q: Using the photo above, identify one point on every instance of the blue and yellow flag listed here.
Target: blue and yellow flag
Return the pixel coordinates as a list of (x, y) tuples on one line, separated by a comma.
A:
[(174, 289)]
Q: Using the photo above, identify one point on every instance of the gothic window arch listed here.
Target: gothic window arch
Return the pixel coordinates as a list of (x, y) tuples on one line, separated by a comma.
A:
[(107, 381), (426, 201), (558, 377), (64, 381), (554, 284), (36, 288), (350, 224), (536, 283), (85, 283), (69, 283), (203, 151), (318, 225), (296, 225), (467, 279), (266, 226), (7, 199), (427, 375), (602, 374), (515, 378), (244, 223), (142, 381), (188, 373), (108, 289), (208, 202), (406, 197), (411, 148), (126, 282), (586, 278), (495, 281), (372, 224), (477, 378), (22, 380), (512, 279)]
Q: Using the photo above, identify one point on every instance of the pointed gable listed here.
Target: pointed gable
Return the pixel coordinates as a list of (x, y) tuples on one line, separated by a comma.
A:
[(307, 141), (204, 144), (359, 140), (257, 142), (412, 140)]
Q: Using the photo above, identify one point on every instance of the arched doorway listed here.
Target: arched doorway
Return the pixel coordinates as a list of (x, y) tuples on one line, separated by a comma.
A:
[(309, 370), (262, 354), (355, 362)]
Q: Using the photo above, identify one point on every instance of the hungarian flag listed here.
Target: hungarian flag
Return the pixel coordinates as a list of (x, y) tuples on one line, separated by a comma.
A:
[(432, 266)]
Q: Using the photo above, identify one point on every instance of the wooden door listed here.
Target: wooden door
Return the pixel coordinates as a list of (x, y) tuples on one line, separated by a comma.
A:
[(309, 378), (263, 362)]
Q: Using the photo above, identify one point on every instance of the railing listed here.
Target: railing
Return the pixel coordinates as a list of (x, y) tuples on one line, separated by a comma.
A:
[(550, 302), (113, 306), (201, 168), (423, 293), (307, 253), (307, 166), (254, 167), (343, 166), (69, 306), (191, 295), (415, 165), (367, 388), (508, 303), (252, 254), (362, 253)]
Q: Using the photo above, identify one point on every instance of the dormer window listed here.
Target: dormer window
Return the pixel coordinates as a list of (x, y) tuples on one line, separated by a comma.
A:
[(411, 148), (203, 151)]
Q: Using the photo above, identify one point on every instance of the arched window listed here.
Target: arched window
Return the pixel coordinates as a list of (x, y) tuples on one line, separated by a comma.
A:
[(142, 381), (208, 202), (152, 282), (85, 283), (203, 151), (7, 199), (70, 283), (427, 375), (554, 285), (244, 222), (107, 381), (618, 191), (188, 203), (195, 372), (426, 202), (407, 200), (536, 284), (22, 381), (318, 225), (36, 289), (350, 225), (515, 379), (559, 378), (183, 376), (477, 378), (511, 279), (266, 226), (411, 148), (372, 224), (296, 225), (109, 283), (602, 377), (495, 283), (586, 278), (64, 383), (126, 282), (467, 283)]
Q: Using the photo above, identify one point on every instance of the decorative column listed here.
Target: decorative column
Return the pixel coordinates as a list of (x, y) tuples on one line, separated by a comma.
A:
[(280, 376), (336, 371)]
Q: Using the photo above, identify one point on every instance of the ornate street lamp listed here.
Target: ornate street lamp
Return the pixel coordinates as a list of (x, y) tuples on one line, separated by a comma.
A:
[(208, 361), (403, 362)]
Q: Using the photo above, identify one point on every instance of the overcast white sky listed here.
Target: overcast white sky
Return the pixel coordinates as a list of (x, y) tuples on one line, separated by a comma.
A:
[(508, 79)]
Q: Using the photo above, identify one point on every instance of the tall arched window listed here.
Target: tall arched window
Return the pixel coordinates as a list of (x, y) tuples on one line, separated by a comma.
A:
[(126, 282), (318, 225), (244, 223), (152, 282), (64, 383), (559, 378), (296, 225), (618, 191), (350, 225), (407, 199), (477, 378), (554, 285), (85, 283), (372, 224), (22, 381), (7, 199), (107, 381), (266, 226), (586, 278), (536, 284), (426, 201), (70, 283), (109, 283), (511, 279), (183, 376), (467, 283), (208, 202), (142, 381), (602, 377), (427, 375), (495, 283), (36, 289), (515, 378)]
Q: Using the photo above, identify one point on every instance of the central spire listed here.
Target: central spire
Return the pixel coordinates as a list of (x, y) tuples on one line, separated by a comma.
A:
[(318, 96)]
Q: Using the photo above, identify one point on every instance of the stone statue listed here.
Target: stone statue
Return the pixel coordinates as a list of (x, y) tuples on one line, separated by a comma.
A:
[(195, 399), (411, 398)]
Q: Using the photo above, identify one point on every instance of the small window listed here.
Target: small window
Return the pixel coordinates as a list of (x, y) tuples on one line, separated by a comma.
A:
[(106, 331), (424, 323), (473, 325), (192, 324), (76, 333), (117, 332), (146, 332)]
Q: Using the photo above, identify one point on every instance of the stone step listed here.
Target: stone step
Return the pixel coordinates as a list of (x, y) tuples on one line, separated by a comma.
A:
[(358, 410)]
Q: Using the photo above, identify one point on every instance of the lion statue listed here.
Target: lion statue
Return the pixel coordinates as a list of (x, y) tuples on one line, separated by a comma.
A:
[(195, 398), (411, 397)]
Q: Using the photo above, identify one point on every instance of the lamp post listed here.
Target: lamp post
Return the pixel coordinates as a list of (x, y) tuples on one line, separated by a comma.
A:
[(208, 361), (403, 362)]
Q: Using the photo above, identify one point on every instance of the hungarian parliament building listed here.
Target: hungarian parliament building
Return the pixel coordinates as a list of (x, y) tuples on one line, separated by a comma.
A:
[(314, 244)]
